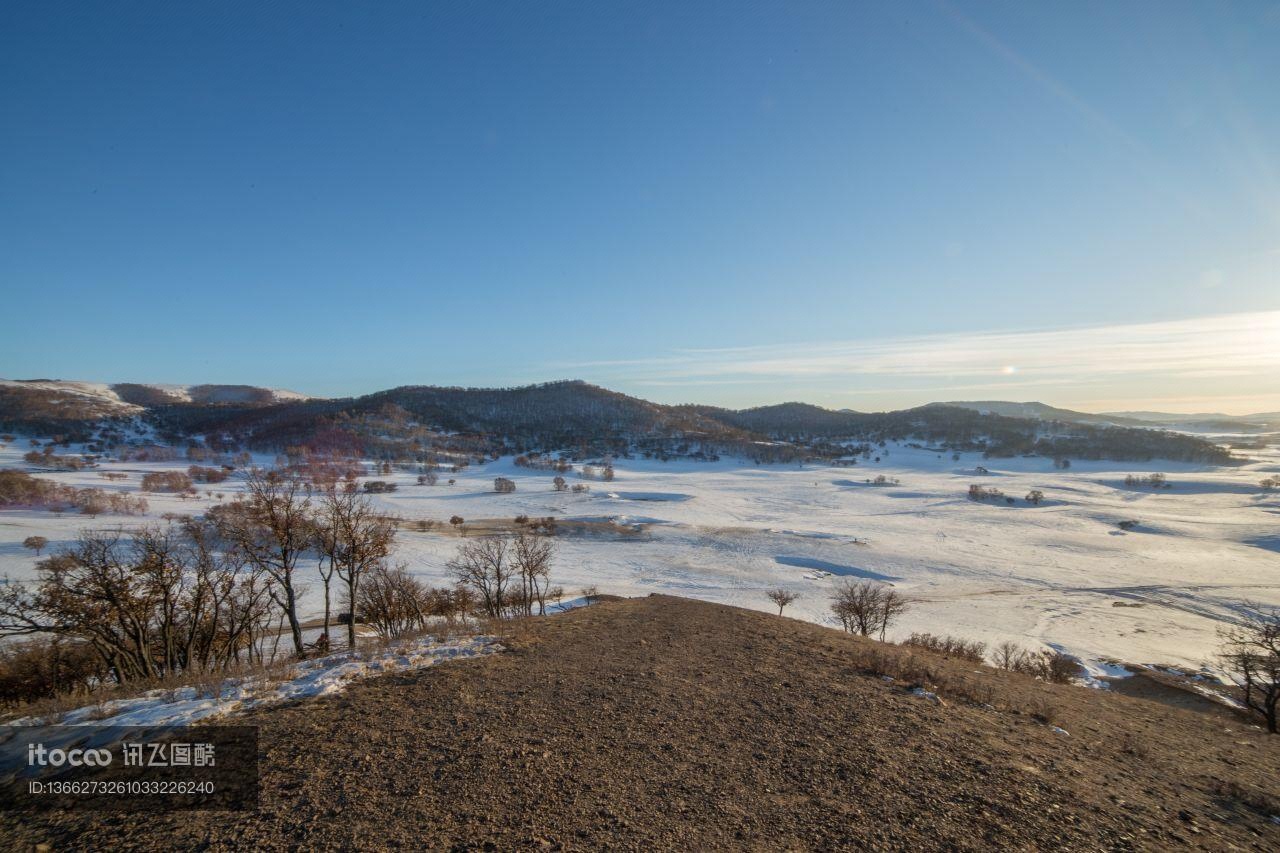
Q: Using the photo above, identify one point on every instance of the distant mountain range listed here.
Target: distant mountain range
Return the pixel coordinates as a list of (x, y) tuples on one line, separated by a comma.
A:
[(572, 416), (1045, 412), (1203, 422), (1272, 418)]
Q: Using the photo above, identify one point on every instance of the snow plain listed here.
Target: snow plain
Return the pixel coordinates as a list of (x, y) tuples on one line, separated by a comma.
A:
[(1054, 575)]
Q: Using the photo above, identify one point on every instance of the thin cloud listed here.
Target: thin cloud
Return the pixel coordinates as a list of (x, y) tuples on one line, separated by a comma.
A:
[(1195, 353)]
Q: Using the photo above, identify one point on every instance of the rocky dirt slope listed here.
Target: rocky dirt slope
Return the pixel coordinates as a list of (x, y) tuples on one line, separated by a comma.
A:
[(665, 723)]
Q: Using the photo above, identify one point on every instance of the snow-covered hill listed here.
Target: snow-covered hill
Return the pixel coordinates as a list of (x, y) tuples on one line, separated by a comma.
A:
[(127, 398)]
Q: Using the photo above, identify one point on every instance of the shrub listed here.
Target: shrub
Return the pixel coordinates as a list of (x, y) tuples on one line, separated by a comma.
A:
[(984, 493), (201, 474), (45, 667), (49, 459), (1155, 481), (1048, 665), (166, 481), (20, 489), (970, 650), (394, 602)]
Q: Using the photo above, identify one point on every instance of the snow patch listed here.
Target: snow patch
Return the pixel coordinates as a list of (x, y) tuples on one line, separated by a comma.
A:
[(318, 677)]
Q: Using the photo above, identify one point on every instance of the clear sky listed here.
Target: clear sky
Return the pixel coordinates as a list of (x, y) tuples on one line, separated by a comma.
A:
[(860, 204)]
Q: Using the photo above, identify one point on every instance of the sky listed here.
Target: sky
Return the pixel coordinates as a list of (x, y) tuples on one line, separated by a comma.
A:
[(863, 205)]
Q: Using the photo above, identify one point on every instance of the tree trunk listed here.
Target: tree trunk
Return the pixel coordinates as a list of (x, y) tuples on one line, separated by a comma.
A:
[(295, 627), (326, 608), (351, 612)]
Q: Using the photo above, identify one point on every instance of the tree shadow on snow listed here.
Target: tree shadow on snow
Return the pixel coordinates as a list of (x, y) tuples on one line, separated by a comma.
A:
[(833, 568)]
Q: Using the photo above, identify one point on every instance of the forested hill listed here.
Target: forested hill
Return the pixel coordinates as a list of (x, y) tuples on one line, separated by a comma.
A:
[(571, 416)]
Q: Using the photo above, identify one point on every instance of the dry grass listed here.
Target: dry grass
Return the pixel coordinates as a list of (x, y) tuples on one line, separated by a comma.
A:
[(206, 683), (957, 679), (1261, 802)]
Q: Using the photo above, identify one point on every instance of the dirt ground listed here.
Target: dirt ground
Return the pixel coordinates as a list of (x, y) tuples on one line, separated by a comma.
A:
[(665, 723)]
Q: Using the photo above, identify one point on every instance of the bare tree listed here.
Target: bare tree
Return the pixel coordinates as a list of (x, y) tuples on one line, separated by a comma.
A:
[(892, 605), (271, 528), (1007, 654), (157, 601), (35, 543), (362, 539), (394, 602), (531, 554), (324, 529), (464, 600), (867, 607), (782, 597), (483, 565), (1251, 652)]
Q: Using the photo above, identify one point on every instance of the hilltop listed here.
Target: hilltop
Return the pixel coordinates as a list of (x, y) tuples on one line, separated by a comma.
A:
[(669, 723)]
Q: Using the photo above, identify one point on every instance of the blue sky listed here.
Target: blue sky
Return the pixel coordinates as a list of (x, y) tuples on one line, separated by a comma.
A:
[(729, 203)]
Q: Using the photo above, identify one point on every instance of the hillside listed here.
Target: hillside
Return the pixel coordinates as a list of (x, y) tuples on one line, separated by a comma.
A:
[(665, 723), (411, 422)]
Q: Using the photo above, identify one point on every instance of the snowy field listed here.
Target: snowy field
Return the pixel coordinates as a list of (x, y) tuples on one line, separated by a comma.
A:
[(1048, 575)]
